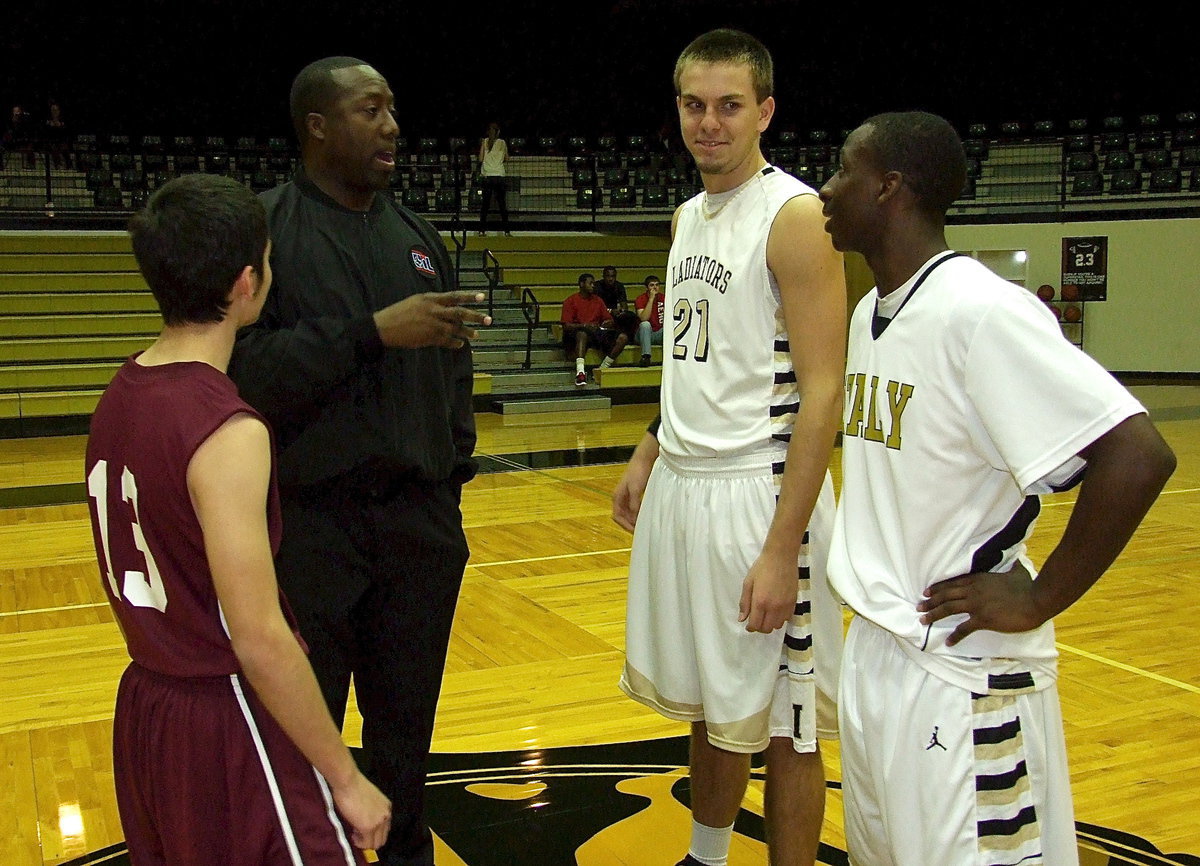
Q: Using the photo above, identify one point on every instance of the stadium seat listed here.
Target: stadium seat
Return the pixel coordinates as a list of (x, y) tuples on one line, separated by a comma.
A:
[(108, 197), (654, 196), (187, 163), (120, 161), (1088, 183), (1119, 160), (261, 180), (974, 167), (447, 199), (132, 178), (1185, 138), (1150, 140), (1078, 142), (97, 178), (1078, 124), (415, 199), (577, 144), (1126, 181), (1189, 157), (645, 177), (1194, 181), (1156, 159), (616, 177), (1113, 122), (788, 138), (968, 190), (586, 197), (154, 161), (1084, 161), (1166, 180), (582, 177), (621, 196), (1112, 141), (421, 178), (1043, 128)]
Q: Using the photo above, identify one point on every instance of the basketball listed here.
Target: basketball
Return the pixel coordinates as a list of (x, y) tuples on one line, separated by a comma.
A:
[(1070, 292), (1058, 313), (1072, 313), (1046, 292)]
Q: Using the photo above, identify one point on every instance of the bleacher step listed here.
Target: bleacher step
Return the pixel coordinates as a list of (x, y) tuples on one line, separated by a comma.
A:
[(518, 406)]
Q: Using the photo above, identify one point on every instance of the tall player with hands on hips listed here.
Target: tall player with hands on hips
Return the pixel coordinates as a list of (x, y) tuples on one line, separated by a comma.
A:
[(964, 402)]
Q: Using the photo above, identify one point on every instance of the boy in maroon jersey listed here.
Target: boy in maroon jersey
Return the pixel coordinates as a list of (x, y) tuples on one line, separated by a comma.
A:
[(223, 749)]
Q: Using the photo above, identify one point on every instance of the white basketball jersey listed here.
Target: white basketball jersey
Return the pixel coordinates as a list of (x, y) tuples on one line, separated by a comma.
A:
[(728, 385), (960, 410)]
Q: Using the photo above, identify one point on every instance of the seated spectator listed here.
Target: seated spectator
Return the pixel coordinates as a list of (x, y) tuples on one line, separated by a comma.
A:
[(650, 308), (54, 135), (18, 136), (587, 321), (613, 293)]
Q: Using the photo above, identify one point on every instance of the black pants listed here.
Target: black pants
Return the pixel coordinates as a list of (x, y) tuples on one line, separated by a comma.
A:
[(494, 186), (373, 578)]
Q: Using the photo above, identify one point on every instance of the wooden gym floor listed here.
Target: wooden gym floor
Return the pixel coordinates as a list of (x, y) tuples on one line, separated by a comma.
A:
[(539, 759)]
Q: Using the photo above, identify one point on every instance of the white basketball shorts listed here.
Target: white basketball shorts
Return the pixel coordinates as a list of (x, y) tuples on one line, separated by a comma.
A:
[(701, 526), (933, 774)]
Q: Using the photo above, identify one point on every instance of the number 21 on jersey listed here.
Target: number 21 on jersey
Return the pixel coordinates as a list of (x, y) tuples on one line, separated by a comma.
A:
[(684, 313), (141, 588)]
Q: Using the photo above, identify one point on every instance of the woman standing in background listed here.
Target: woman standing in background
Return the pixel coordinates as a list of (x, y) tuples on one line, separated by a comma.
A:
[(493, 153)]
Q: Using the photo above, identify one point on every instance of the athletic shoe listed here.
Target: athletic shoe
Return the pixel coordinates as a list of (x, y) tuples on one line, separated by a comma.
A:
[(580, 380), (645, 362), (689, 860)]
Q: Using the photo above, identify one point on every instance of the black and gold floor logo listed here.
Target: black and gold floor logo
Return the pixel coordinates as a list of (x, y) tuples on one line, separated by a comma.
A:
[(626, 803)]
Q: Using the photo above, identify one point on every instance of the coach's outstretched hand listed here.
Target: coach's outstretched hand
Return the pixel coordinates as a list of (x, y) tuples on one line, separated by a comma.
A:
[(998, 601), (366, 810), (430, 319)]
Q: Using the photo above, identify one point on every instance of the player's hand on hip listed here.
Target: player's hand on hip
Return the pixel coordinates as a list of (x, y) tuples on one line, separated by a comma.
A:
[(768, 596), (431, 319), (997, 601), (366, 810)]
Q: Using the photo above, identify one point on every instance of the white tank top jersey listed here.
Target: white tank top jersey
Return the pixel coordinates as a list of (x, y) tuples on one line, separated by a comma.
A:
[(963, 402), (728, 386), (493, 158)]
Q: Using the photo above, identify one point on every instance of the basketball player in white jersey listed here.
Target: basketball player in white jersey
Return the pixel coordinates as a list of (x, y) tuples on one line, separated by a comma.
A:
[(964, 402), (726, 591)]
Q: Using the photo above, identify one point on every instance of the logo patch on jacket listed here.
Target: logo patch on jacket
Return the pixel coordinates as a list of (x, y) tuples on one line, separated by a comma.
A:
[(423, 261)]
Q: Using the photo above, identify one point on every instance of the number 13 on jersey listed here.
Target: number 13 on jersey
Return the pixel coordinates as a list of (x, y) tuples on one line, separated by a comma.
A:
[(141, 588)]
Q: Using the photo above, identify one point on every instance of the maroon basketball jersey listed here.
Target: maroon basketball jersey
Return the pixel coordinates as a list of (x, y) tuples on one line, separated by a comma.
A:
[(149, 544)]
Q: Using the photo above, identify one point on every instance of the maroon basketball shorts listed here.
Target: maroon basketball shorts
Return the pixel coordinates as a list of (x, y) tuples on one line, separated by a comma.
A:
[(205, 775)]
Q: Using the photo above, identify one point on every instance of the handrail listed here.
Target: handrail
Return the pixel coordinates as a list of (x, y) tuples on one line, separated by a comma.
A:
[(493, 276), (456, 226), (529, 301)]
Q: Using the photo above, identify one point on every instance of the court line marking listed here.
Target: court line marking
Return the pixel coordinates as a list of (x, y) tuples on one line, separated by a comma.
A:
[(54, 609), (549, 558), (1071, 501), (1187, 687)]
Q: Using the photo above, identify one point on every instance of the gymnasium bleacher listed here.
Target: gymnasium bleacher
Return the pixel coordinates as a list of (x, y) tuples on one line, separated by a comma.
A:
[(72, 304)]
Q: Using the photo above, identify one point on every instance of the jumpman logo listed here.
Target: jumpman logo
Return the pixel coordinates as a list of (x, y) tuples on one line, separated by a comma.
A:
[(933, 741)]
